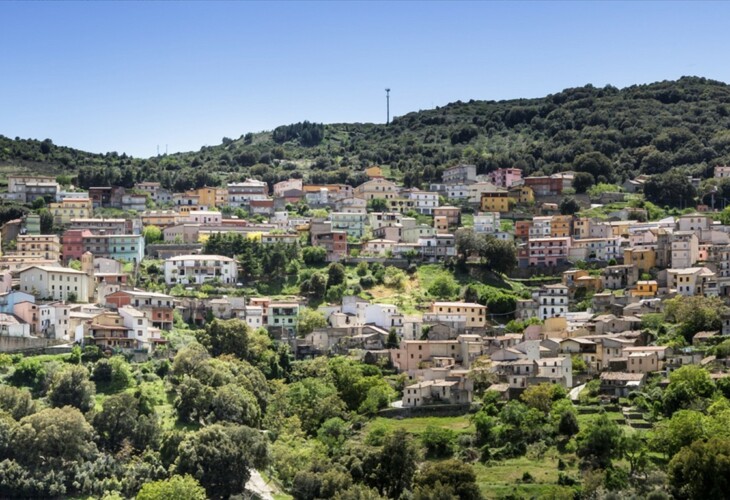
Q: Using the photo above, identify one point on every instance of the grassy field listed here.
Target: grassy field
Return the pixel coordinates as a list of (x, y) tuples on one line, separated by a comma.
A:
[(417, 425), (504, 478)]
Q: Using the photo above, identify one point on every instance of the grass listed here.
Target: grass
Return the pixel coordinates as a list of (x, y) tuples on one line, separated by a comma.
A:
[(504, 478), (417, 425)]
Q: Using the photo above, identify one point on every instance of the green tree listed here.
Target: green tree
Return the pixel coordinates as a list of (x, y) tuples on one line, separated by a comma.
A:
[(117, 420), (599, 442), (54, 436), (582, 181), (444, 287), (232, 403), (688, 386), (221, 457), (670, 435), (455, 475), (72, 387), (152, 234), (541, 396), (313, 256), (568, 206), (178, 487), (226, 337), (701, 470), (377, 205), (309, 320), (695, 314), (439, 442), (335, 274), (397, 465), (17, 402)]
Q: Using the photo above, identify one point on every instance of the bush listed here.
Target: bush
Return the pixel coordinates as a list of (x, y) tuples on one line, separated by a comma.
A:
[(439, 442)]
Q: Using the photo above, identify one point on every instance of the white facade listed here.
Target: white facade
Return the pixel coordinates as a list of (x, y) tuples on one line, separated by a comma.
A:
[(56, 283), (487, 223), (424, 201), (552, 301), (199, 269)]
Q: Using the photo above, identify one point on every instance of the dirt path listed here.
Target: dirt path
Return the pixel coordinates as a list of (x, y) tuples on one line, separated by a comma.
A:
[(259, 487)]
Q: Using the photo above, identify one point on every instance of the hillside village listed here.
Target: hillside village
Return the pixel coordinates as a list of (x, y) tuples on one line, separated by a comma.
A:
[(80, 284)]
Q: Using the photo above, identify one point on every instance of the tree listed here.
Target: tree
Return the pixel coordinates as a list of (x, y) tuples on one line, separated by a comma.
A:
[(541, 396), (439, 442), (701, 470), (335, 274), (117, 420), (54, 436), (17, 402), (444, 287), (394, 278), (455, 475), (178, 487), (232, 403), (672, 434), (695, 314), (582, 181), (568, 206), (688, 385), (152, 234), (635, 452), (599, 442), (72, 387), (671, 189), (500, 255), (595, 163), (226, 337), (313, 256), (221, 457), (377, 205), (397, 465), (392, 342), (309, 320)]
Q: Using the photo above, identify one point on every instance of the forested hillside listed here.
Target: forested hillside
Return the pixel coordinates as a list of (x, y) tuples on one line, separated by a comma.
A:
[(610, 133)]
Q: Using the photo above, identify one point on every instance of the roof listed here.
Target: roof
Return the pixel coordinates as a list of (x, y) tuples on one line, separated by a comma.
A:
[(54, 269), (622, 376), (200, 257), (458, 304)]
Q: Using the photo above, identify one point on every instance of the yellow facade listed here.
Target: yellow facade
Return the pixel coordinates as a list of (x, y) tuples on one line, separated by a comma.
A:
[(160, 219), (523, 195), (643, 258), (561, 226), (476, 314), (495, 202), (71, 208), (646, 289), (208, 196)]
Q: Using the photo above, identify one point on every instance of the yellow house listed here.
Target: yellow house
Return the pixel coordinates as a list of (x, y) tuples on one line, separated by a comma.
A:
[(561, 226), (497, 201), (647, 288), (208, 196), (70, 208), (476, 314), (160, 218), (641, 257), (523, 195)]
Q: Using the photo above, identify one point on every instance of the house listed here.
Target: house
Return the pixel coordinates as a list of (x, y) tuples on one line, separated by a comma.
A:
[(155, 192), (352, 223), (157, 307), (547, 251), (107, 226), (459, 174), (452, 390), (620, 384), (645, 289), (496, 201), (378, 247), (334, 242), (685, 249), (69, 209), (505, 177), (38, 246), (377, 188), (552, 301), (643, 258), (56, 283), (476, 314), (451, 214), (487, 222), (160, 218), (241, 193), (722, 171), (524, 195), (283, 317), (199, 269), (545, 186), (620, 277), (423, 201), (126, 247), (693, 281)]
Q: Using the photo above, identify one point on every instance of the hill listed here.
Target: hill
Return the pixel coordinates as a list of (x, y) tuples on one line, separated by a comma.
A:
[(610, 133)]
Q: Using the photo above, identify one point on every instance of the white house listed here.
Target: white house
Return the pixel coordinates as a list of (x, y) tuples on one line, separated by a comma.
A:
[(54, 282), (199, 269), (552, 301)]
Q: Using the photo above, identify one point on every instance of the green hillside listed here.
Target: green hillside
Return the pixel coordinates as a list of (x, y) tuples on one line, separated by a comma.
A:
[(610, 133)]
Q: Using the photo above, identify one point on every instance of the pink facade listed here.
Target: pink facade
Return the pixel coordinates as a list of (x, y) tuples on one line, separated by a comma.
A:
[(505, 177), (547, 251)]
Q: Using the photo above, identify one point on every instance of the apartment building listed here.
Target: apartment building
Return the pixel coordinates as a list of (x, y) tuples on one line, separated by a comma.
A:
[(200, 269), (552, 301), (70, 208), (55, 283), (505, 177), (476, 314)]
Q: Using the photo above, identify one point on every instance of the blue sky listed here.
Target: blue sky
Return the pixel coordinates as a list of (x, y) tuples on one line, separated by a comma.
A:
[(128, 76)]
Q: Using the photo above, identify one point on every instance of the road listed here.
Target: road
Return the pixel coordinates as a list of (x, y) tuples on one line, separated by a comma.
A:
[(575, 391), (259, 487)]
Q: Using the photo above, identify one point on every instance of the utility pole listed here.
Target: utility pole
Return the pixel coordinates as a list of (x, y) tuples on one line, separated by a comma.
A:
[(387, 106)]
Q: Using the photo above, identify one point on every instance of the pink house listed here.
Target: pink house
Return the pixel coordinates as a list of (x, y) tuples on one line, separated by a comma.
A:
[(547, 251), (505, 177)]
